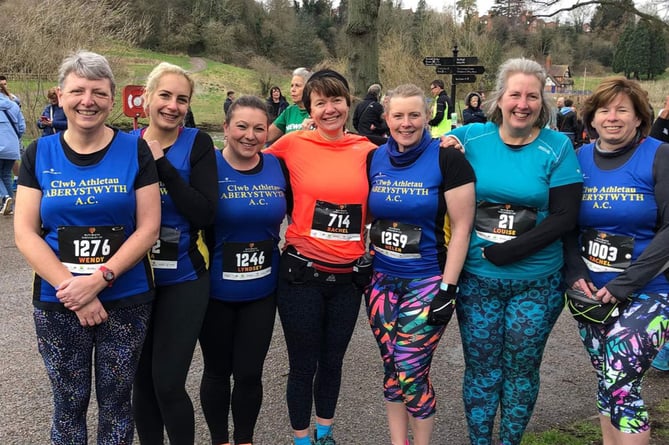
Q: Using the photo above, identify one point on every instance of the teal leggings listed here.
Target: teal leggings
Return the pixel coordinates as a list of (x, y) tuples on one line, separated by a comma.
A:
[(504, 326)]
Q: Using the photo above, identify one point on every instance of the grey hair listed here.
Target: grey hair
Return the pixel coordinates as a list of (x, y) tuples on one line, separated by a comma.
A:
[(406, 90), (520, 65), (374, 89), (304, 73), (88, 65)]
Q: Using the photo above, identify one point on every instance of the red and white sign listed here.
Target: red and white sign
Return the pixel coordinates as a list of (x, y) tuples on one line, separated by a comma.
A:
[(133, 102)]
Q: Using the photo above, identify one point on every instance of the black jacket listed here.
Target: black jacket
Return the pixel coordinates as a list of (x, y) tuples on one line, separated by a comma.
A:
[(470, 114), (370, 112)]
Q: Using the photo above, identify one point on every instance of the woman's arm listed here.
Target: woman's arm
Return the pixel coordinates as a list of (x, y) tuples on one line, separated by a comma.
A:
[(29, 241), (196, 200), (654, 260), (80, 290), (660, 129), (563, 206), (273, 133), (461, 207)]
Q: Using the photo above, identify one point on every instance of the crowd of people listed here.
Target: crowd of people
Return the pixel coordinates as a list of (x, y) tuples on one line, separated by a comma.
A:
[(143, 243)]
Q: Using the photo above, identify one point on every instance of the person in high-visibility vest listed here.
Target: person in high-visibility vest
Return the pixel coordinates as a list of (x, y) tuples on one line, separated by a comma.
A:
[(441, 110)]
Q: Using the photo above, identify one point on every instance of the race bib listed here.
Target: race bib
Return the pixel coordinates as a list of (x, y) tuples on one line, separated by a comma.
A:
[(503, 222), (165, 252), (395, 239), (603, 252), (341, 222), (84, 249), (247, 261)]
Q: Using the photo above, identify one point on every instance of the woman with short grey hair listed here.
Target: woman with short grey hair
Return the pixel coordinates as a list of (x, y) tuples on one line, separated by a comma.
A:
[(88, 211)]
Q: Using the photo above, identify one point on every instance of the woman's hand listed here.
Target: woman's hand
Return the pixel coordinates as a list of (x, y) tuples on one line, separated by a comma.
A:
[(308, 124), (605, 296), (78, 291), (585, 286), (156, 149), (451, 142), (665, 111), (92, 313)]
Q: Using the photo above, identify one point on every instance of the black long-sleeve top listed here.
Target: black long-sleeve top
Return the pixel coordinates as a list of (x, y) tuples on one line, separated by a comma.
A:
[(655, 258)]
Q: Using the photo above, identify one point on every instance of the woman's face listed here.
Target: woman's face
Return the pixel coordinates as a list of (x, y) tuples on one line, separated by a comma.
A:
[(616, 122), (521, 103), (296, 88), (246, 133), (329, 114), (276, 94), (168, 104), (406, 118), (474, 102), (86, 102)]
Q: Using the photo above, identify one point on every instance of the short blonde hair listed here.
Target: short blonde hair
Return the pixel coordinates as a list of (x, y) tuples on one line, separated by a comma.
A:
[(406, 90), (158, 72)]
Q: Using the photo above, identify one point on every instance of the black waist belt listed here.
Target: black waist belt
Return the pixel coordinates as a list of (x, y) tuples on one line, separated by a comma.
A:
[(300, 269)]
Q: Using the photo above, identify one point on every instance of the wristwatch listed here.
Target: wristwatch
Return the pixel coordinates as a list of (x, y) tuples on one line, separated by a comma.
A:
[(450, 289), (108, 275)]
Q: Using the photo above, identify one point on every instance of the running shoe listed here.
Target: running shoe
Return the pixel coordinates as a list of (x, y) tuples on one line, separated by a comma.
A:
[(661, 361), (326, 440), (7, 206)]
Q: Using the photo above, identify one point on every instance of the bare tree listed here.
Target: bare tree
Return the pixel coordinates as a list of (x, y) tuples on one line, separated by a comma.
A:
[(660, 8), (37, 34), (363, 54)]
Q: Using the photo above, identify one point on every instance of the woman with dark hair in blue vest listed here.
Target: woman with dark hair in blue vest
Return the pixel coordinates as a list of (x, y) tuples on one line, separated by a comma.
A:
[(87, 213), (186, 164), (244, 246), (619, 252)]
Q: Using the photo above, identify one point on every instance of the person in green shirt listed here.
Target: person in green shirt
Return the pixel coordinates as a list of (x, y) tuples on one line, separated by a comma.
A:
[(295, 117)]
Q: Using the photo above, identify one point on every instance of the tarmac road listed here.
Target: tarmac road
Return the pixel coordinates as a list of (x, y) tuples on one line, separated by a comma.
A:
[(567, 390)]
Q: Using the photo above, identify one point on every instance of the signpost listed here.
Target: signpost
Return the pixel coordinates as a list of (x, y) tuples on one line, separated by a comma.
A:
[(462, 69), (443, 61), (477, 69), (464, 78)]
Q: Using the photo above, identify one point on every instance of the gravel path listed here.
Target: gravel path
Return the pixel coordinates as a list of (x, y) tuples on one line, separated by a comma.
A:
[(567, 391)]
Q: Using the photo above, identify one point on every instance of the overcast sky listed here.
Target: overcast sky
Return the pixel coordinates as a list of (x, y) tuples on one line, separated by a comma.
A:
[(483, 5), (439, 5)]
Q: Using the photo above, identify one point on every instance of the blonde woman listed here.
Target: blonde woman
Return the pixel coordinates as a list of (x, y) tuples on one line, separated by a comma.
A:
[(186, 165)]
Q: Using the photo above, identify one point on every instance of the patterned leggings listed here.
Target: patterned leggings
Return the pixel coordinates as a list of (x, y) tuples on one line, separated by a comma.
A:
[(622, 353), (397, 310), (504, 326), (70, 350)]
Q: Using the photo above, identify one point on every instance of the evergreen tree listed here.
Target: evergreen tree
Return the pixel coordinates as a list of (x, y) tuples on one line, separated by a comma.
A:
[(641, 51), (657, 52), (511, 9), (621, 53), (612, 16)]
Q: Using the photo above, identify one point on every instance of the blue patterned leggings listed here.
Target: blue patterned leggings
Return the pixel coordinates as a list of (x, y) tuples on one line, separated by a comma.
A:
[(622, 353), (504, 326), (70, 351)]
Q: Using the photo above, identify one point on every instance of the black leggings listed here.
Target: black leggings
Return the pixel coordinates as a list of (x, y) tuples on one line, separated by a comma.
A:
[(235, 338), (318, 321), (159, 394)]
